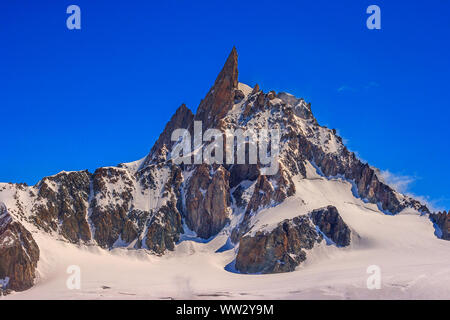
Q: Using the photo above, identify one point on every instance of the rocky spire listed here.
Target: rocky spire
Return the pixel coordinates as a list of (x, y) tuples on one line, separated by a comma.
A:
[(219, 99), (214, 107), (182, 119)]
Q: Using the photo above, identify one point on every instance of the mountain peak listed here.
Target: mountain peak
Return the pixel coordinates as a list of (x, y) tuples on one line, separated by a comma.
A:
[(182, 118), (230, 69), (219, 99)]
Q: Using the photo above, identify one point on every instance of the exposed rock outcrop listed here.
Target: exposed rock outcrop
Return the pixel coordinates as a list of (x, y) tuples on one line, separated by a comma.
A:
[(208, 200), (442, 220), (62, 204), (113, 192), (283, 248), (165, 226), (19, 254), (271, 190), (164, 229), (331, 225), (267, 191), (241, 172), (280, 250)]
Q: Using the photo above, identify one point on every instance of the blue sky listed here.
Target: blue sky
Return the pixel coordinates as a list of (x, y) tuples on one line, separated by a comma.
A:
[(81, 99)]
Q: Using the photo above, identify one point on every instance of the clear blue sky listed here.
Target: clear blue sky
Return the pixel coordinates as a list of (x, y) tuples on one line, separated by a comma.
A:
[(72, 100)]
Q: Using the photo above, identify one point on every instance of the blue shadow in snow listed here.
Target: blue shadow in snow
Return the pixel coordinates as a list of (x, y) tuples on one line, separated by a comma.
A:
[(227, 246)]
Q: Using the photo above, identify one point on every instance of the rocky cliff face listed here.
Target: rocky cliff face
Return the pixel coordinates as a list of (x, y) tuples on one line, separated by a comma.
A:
[(442, 220), (331, 225), (19, 254), (150, 203), (62, 203), (280, 250), (165, 226), (283, 248), (110, 219), (220, 98), (207, 200)]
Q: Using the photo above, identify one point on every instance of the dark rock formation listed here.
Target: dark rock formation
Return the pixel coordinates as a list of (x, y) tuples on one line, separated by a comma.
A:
[(182, 119), (19, 253), (110, 206), (268, 191), (331, 224), (238, 96), (442, 220), (271, 190), (207, 200), (220, 97), (242, 172), (165, 227), (63, 202), (280, 250)]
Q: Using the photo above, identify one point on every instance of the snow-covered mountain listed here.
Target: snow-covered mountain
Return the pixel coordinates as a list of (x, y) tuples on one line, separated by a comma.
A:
[(156, 229)]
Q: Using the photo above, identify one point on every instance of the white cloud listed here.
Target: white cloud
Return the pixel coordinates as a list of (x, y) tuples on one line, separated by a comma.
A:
[(402, 183), (345, 88), (431, 204), (396, 181)]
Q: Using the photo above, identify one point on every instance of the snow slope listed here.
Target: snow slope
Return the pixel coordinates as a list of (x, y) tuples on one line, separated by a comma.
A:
[(414, 263)]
